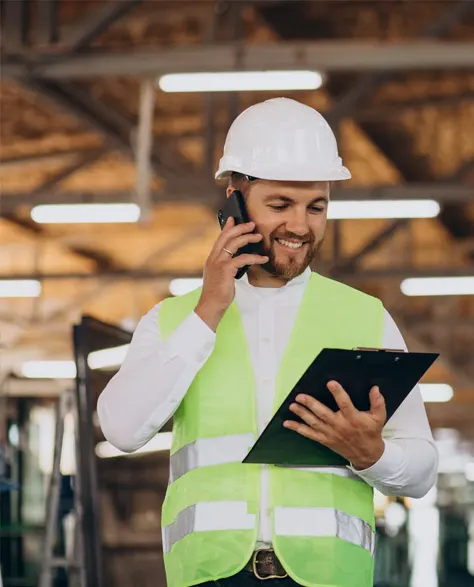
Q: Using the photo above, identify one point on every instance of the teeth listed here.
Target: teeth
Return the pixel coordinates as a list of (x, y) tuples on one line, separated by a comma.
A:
[(290, 245)]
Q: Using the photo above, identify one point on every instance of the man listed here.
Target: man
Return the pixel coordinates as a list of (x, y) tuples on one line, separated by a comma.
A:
[(221, 360)]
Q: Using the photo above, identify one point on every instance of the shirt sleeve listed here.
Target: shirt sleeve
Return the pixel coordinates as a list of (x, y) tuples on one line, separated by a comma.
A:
[(153, 379), (408, 466)]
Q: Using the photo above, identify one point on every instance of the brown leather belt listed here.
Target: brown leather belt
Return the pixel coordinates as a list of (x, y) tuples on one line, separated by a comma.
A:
[(264, 564)]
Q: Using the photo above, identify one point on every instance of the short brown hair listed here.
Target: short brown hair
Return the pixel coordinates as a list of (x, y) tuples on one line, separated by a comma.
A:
[(240, 181), (237, 179)]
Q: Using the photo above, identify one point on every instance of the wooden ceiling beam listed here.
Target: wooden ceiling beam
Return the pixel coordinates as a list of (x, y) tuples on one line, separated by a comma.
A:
[(81, 162), (102, 261), (8, 163), (95, 24)]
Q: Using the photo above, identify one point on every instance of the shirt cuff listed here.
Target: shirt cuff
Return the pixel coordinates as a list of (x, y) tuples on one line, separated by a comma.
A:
[(193, 340), (386, 468)]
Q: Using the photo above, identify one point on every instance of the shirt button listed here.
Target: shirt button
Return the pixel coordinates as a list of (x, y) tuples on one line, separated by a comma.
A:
[(265, 340), (266, 380)]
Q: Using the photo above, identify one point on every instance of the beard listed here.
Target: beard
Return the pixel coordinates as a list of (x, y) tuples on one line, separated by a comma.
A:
[(292, 267)]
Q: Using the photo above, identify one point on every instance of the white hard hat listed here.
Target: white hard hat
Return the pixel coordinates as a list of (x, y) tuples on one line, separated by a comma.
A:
[(282, 139)]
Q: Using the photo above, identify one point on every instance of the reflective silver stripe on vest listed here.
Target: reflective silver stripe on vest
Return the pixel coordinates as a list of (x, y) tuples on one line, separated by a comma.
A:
[(324, 522), (204, 452), (206, 516), (340, 471)]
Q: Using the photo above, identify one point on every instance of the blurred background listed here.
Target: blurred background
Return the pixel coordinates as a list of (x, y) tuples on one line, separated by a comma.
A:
[(108, 205)]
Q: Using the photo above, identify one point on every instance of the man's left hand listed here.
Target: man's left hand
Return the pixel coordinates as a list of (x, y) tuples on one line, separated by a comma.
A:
[(355, 435)]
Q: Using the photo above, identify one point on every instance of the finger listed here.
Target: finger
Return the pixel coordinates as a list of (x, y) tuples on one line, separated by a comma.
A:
[(305, 430), (308, 417), (230, 231), (243, 260), (318, 409), (239, 236), (229, 223), (377, 404), (237, 243), (342, 399)]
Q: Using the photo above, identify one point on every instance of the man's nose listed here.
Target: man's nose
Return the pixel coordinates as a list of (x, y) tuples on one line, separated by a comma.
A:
[(298, 223)]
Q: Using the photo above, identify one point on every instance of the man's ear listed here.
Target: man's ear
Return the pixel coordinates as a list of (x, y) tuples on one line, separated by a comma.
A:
[(229, 190)]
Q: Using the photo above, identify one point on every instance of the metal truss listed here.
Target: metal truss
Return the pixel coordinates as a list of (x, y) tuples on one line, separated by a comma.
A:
[(327, 56)]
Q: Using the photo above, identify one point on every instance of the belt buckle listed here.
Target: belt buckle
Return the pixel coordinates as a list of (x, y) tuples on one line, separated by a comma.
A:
[(255, 562)]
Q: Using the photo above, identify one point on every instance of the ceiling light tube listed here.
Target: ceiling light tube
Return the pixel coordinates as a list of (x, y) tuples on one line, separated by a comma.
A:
[(438, 286), (240, 81), (181, 286), (112, 357), (160, 442), (48, 369), (19, 288), (436, 392), (85, 213), (373, 209), (469, 471)]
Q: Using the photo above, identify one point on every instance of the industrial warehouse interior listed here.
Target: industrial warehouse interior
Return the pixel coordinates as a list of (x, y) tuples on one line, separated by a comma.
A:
[(110, 141)]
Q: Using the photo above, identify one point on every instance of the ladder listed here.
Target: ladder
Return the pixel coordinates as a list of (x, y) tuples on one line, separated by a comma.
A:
[(73, 560), (6, 484)]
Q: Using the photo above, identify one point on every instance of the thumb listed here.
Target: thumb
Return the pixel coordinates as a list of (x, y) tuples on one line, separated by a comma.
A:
[(377, 404)]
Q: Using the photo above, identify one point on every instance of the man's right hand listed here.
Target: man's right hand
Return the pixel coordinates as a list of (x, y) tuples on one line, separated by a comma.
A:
[(220, 269)]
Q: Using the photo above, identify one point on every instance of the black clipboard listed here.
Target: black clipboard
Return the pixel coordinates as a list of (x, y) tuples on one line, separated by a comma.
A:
[(395, 372)]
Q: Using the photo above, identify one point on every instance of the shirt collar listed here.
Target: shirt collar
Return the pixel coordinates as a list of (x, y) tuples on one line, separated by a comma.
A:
[(300, 281)]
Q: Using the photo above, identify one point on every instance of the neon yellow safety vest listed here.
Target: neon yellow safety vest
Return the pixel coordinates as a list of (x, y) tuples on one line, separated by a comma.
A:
[(323, 522)]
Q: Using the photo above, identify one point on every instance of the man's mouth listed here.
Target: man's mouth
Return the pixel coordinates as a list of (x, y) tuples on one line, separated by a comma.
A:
[(290, 244)]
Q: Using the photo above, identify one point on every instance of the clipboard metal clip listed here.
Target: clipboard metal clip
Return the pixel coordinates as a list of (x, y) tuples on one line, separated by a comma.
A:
[(374, 349)]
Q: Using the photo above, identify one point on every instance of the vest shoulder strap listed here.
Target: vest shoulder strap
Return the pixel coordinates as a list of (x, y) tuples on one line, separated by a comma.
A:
[(329, 288), (174, 310)]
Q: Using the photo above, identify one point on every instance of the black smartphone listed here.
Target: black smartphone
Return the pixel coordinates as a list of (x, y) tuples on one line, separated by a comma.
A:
[(235, 206)]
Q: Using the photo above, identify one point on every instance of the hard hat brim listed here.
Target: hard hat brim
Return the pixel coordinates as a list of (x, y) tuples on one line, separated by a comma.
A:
[(340, 174)]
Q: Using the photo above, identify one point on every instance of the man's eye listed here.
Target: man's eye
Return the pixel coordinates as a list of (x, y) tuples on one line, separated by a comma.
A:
[(317, 209), (278, 207)]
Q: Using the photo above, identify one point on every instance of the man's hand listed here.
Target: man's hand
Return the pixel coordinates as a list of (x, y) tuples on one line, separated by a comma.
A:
[(357, 436), (220, 269)]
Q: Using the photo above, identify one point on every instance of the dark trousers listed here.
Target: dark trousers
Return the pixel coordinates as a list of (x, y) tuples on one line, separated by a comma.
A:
[(248, 579)]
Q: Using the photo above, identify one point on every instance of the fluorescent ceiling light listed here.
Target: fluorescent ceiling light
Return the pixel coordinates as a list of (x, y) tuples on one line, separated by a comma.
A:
[(371, 209), (19, 288), (160, 442), (85, 213), (438, 286), (179, 287), (380, 501), (104, 358), (240, 81), (49, 369), (436, 392), (469, 471)]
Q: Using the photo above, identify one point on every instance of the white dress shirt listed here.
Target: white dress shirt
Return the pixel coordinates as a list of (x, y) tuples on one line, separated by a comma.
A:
[(155, 376)]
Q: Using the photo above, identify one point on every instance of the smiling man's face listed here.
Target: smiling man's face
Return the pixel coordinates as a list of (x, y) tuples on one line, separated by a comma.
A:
[(291, 216)]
